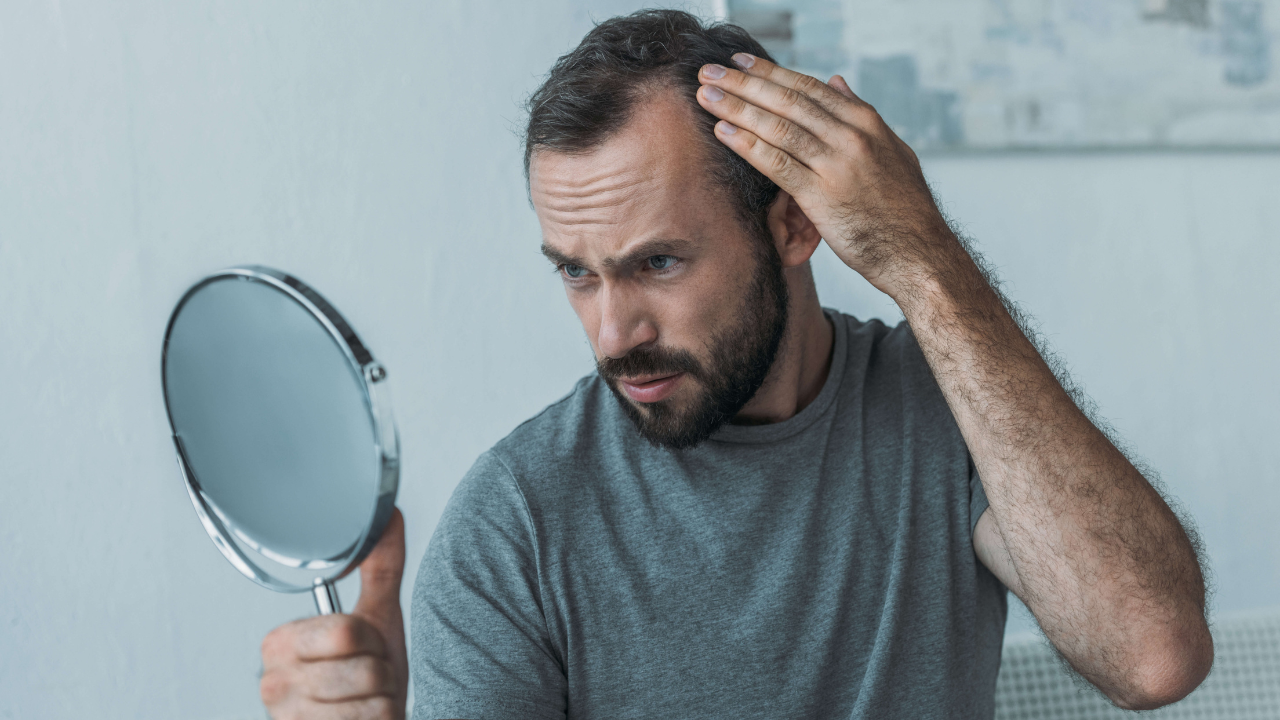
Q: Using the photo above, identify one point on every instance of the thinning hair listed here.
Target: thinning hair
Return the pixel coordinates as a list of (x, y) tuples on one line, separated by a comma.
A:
[(591, 92)]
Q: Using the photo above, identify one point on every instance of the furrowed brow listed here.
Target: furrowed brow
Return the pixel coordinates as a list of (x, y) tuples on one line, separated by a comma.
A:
[(648, 249), (558, 258), (635, 256)]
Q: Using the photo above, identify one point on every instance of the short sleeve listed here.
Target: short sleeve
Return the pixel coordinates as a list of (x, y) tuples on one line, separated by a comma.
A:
[(977, 498), (480, 646)]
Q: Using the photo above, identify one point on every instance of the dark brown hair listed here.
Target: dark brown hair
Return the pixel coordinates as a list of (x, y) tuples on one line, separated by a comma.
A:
[(591, 92)]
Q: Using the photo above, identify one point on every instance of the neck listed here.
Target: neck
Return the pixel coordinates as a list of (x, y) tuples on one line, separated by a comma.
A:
[(803, 360)]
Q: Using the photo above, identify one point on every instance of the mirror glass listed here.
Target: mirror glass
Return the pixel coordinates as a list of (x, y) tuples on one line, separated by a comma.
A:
[(271, 399)]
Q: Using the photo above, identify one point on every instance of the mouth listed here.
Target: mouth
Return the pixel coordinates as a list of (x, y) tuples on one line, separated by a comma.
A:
[(650, 388)]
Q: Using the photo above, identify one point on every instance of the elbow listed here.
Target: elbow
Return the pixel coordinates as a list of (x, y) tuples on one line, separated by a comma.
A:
[(1166, 672)]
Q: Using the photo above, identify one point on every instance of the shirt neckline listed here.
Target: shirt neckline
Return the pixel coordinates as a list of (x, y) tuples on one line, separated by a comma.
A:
[(814, 410)]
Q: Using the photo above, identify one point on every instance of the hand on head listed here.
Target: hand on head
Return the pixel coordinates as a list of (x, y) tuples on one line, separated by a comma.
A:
[(854, 178), (345, 666)]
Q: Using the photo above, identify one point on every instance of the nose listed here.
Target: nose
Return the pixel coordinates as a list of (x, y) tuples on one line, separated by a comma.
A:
[(624, 322)]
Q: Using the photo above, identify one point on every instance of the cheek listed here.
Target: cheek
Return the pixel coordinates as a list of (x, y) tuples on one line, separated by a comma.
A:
[(588, 312), (693, 313)]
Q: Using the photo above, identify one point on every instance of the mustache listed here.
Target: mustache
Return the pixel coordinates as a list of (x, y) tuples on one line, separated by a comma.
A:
[(649, 361)]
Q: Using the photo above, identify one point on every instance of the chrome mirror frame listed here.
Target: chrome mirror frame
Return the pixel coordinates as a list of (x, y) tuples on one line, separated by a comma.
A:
[(372, 377)]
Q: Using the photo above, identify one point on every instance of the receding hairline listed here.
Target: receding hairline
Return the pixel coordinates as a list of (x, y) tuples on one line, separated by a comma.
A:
[(661, 82), (668, 93), (594, 91)]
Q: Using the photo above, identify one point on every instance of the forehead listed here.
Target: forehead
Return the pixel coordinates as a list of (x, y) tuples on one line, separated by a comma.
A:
[(648, 179)]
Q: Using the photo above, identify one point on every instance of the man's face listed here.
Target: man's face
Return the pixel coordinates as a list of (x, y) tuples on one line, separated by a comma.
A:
[(684, 309)]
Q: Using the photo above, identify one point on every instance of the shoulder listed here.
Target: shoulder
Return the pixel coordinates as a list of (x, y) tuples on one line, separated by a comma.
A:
[(549, 450), (886, 365), (874, 334), (569, 427), (549, 460), (884, 347)]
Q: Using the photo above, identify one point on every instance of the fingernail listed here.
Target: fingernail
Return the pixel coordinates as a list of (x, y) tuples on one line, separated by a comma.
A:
[(726, 128), (715, 72), (714, 94), (743, 60)]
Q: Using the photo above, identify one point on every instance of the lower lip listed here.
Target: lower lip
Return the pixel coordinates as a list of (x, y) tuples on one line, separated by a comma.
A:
[(654, 390)]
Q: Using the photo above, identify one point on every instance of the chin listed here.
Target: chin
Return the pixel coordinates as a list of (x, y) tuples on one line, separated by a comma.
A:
[(671, 423)]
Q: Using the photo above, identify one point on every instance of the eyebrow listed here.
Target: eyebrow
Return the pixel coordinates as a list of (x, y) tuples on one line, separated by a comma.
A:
[(643, 251)]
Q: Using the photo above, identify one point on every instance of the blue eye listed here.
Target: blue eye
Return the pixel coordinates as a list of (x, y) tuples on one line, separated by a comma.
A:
[(573, 271), (661, 262)]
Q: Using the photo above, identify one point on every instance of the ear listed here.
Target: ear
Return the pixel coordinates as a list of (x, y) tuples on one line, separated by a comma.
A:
[(794, 234)]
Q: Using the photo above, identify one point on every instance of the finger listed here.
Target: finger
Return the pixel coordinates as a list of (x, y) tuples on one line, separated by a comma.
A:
[(790, 174), (779, 132), (786, 102), (329, 637), (373, 708), (841, 86), (349, 679), (839, 83), (277, 687), (278, 646), (316, 638), (834, 101)]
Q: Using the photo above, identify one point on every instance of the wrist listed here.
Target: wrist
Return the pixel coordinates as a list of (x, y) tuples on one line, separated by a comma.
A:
[(943, 278)]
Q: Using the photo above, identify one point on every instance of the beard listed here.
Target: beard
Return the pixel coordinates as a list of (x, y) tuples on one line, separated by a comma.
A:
[(740, 358)]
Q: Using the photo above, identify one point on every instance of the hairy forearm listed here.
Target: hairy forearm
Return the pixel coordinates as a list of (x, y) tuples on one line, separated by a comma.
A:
[(1096, 553)]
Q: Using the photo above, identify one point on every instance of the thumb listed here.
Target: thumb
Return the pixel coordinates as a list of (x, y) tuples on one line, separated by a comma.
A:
[(382, 570), (379, 603)]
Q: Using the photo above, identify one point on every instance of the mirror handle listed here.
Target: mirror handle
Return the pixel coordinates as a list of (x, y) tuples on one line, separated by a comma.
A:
[(326, 597)]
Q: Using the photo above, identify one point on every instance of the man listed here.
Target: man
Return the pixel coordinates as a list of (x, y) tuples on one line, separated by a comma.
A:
[(758, 508)]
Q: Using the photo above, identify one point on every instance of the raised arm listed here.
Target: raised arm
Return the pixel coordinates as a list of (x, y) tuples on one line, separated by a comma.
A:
[(1074, 529)]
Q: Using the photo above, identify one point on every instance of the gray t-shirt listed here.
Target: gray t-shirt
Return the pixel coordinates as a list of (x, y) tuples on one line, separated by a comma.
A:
[(820, 567)]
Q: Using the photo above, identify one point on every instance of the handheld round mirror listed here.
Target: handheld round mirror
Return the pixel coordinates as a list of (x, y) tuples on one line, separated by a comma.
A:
[(283, 429)]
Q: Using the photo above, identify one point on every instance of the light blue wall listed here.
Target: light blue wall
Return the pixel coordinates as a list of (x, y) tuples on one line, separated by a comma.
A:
[(369, 148)]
